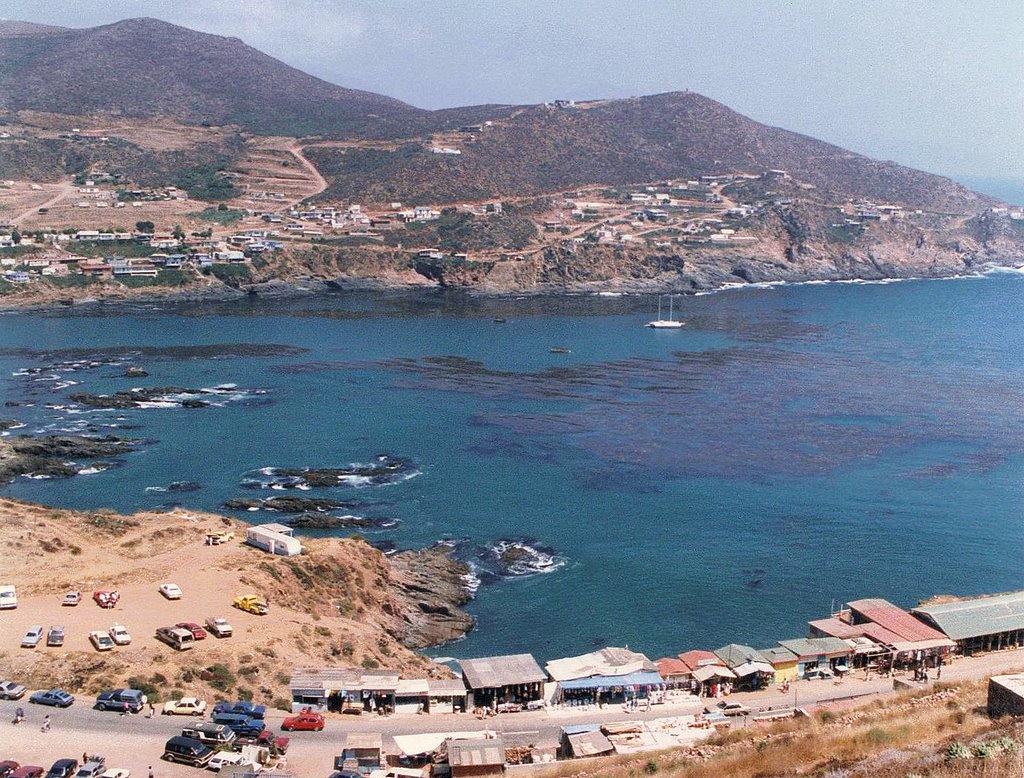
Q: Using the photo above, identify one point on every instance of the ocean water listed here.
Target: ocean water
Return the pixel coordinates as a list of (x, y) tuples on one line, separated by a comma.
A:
[(792, 447)]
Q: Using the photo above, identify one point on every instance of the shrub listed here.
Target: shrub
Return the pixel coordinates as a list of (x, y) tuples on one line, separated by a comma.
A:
[(369, 663), (145, 686), (220, 677), (957, 750), (282, 703)]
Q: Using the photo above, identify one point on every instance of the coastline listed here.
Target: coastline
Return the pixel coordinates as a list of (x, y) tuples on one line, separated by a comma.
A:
[(323, 288)]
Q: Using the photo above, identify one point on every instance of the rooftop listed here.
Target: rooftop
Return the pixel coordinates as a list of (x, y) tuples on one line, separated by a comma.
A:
[(476, 753), (804, 647), (497, 671), (894, 619), (607, 662), (977, 616)]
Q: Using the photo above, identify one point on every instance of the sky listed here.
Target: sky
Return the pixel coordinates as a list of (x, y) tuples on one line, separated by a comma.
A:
[(935, 84)]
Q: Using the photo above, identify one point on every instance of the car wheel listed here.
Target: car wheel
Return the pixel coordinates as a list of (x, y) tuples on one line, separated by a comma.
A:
[(100, 706)]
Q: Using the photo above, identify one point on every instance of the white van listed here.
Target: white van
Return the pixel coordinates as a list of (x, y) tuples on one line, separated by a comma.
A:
[(176, 638), (8, 597)]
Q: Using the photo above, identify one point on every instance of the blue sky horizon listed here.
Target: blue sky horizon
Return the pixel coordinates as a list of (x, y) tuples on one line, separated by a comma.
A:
[(930, 85)]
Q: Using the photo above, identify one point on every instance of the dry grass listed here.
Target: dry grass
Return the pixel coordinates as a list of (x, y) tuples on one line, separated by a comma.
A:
[(905, 736)]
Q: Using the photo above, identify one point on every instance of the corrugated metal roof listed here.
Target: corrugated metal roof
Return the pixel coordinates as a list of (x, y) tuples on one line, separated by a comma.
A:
[(589, 744), (497, 671), (707, 672), (476, 753), (735, 655), (333, 678), (777, 655), (838, 628), (804, 647), (978, 616), (894, 619), (446, 687), (670, 666)]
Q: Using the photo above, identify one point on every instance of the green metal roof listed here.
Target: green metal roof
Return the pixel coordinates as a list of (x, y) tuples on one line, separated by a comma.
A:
[(804, 647), (978, 616)]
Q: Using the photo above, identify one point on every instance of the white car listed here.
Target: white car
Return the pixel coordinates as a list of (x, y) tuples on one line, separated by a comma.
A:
[(186, 706), (32, 637), (219, 627), (117, 772), (100, 640), (120, 635), (8, 597), (72, 599), (224, 759), (170, 591)]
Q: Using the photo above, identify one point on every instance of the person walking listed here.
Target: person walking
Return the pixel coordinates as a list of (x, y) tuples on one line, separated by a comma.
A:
[(151, 775), (46, 724), (152, 711)]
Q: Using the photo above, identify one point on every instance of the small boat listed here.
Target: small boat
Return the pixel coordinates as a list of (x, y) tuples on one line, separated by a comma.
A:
[(558, 350), (499, 320), (665, 324)]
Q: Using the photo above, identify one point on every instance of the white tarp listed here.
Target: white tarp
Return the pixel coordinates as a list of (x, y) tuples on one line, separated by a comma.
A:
[(428, 742)]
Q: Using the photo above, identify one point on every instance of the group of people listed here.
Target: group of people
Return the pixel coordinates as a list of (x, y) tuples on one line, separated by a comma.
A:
[(19, 716)]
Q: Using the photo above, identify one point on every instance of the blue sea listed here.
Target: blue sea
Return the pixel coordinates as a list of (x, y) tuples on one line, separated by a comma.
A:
[(790, 448)]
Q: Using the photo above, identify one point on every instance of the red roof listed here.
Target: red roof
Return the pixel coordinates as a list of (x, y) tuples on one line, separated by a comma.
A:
[(695, 659), (837, 628), (894, 619), (671, 666)]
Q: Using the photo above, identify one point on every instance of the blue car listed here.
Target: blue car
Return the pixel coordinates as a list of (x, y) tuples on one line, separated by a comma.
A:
[(250, 709), (56, 697), (239, 723)]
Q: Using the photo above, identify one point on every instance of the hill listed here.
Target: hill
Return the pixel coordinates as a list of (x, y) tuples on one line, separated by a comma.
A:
[(146, 67), (542, 149)]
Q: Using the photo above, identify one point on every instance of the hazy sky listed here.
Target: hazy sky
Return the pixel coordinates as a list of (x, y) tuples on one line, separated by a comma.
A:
[(935, 84)]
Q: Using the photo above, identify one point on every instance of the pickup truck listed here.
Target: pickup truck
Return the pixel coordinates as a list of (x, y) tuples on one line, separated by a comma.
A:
[(218, 627), (250, 603)]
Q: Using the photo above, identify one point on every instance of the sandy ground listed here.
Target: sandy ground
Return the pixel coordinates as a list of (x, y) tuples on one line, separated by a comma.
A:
[(50, 552)]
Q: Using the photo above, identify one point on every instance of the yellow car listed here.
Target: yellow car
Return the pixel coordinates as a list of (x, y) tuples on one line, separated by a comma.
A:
[(250, 603), (215, 537)]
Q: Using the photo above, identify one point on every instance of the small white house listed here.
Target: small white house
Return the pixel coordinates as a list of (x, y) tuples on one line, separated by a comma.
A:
[(274, 539)]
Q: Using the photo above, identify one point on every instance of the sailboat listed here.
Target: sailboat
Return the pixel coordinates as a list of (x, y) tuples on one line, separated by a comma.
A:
[(665, 324)]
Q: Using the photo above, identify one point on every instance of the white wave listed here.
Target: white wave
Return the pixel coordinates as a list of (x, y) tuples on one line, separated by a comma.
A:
[(92, 470), (156, 488)]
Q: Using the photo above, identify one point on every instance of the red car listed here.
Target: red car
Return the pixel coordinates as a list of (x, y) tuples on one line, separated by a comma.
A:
[(198, 633), (307, 722), (7, 767), (28, 771)]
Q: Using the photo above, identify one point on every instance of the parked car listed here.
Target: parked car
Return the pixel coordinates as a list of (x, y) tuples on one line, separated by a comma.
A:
[(243, 726), (56, 697), (28, 771), (115, 699), (55, 636), (244, 707), (170, 591), (218, 627), (215, 537), (304, 722), (7, 767), (120, 635), (186, 706), (198, 633), (729, 709), (106, 599), (9, 690), (250, 603), (278, 744), (187, 751), (101, 641), (62, 768), (216, 736), (71, 599), (8, 597), (819, 673), (224, 759), (32, 637), (177, 638), (93, 768), (117, 772)]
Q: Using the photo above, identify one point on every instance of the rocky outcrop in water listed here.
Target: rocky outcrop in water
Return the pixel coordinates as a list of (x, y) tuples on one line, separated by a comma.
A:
[(330, 521), (434, 587), (56, 456), (383, 470), (134, 398), (135, 372), (289, 504)]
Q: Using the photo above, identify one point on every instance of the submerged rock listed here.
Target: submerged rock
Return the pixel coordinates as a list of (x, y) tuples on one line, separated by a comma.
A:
[(330, 521), (135, 372), (289, 504), (55, 456), (385, 469)]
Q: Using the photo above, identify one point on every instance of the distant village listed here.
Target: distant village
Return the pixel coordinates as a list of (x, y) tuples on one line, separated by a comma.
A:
[(700, 213)]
